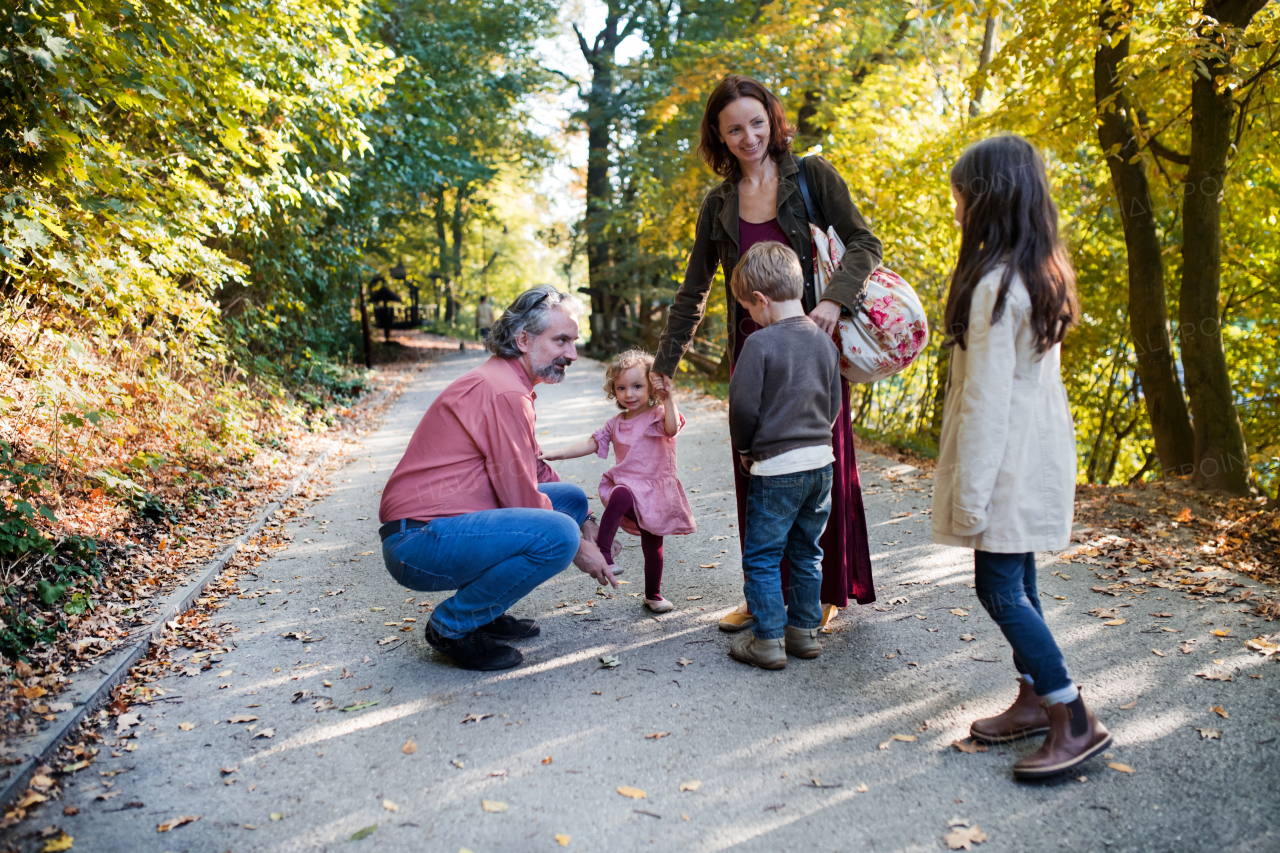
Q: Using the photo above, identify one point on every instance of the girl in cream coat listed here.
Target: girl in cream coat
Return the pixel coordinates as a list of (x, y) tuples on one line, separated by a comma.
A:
[(1005, 484)]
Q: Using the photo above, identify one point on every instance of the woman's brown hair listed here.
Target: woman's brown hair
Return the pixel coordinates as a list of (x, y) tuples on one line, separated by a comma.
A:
[(714, 150), (1009, 217)]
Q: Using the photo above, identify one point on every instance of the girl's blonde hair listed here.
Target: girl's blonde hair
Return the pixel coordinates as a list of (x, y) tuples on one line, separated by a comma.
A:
[(625, 361)]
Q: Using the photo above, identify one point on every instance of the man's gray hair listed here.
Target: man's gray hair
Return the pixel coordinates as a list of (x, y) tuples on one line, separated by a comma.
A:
[(531, 312)]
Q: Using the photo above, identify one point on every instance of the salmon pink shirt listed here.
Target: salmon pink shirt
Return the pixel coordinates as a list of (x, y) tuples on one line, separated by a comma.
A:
[(473, 450)]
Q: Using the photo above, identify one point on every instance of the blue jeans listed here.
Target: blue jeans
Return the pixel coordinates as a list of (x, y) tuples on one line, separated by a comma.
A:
[(1006, 586), (492, 558), (785, 518)]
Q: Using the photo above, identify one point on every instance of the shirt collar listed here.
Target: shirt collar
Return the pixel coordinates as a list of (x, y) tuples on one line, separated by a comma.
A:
[(518, 369)]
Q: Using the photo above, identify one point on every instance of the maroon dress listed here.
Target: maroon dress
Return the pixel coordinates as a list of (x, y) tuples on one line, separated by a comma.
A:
[(846, 556)]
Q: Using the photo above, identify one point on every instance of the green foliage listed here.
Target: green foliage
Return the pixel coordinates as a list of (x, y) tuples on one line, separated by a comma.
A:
[(20, 508)]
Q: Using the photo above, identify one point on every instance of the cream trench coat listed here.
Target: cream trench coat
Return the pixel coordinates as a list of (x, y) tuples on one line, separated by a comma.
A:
[(1007, 455)]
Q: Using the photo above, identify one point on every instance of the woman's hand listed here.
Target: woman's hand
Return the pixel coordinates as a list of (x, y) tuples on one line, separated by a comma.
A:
[(661, 385), (826, 315)]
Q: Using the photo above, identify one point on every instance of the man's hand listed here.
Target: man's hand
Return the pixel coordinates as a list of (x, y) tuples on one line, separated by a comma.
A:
[(591, 530), (590, 560), (826, 315)]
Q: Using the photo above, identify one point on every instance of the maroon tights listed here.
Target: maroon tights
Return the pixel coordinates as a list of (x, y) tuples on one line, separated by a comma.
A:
[(622, 505)]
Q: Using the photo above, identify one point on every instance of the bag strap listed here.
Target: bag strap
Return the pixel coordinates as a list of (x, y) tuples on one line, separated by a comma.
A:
[(812, 208)]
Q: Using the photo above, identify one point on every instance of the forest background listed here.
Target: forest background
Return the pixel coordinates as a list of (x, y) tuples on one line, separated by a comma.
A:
[(193, 194)]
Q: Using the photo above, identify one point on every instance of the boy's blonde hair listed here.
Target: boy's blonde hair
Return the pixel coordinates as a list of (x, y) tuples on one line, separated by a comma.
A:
[(771, 268), (625, 361)]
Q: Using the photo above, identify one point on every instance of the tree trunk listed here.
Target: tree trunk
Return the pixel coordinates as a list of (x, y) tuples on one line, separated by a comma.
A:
[(1148, 314), (459, 236), (1222, 460), (989, 34)]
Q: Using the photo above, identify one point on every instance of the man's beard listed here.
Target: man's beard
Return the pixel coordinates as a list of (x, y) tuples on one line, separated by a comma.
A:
[(554, 372)]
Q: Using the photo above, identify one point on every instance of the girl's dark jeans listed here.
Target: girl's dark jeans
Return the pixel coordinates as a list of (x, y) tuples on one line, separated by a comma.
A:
[(1006, 586)]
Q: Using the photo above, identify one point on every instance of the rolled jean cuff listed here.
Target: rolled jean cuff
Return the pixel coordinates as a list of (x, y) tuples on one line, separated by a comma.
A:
[(801, 626), (760, 635)]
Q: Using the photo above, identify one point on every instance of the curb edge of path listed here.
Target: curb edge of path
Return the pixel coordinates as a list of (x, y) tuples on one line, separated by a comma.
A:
[(115, 668)]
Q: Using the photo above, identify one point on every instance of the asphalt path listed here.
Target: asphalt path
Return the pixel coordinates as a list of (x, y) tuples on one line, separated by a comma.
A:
[(729, 757)]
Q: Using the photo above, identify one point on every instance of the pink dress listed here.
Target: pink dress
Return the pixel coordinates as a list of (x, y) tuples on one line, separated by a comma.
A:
[(646, 464)]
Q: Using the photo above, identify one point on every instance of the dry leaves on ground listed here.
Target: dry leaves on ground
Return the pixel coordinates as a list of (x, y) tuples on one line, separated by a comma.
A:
[(633, 793), (1123, 768), (409, 748), (475, 718), (1221, 712), (969, 747), (494, 806), (562, 838), (1206, 732), (176, 822), (904, 738), (656, 735), (691, 786), (963, 836)]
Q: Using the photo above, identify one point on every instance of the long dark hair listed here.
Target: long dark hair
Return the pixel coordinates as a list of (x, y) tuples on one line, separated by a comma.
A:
[(714, 150), (1010, 217)]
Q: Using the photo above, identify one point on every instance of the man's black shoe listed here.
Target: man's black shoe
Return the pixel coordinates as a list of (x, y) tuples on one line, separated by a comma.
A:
[(510, 628), (474, 651)]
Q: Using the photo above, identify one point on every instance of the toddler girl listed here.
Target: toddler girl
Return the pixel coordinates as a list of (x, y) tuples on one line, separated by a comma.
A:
[(641, 493), (1005, 484)]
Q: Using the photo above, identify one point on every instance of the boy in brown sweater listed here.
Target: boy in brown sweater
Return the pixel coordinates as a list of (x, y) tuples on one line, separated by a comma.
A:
[(784, 398)]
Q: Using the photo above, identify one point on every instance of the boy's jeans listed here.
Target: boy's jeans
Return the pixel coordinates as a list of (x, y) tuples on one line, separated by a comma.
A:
[(785, 518)]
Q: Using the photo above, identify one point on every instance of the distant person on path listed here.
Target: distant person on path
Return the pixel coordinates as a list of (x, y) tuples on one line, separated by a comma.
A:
[(784, 399), (747, 141), (1005, 484), (484, 318), (471, 507), (642, 492)]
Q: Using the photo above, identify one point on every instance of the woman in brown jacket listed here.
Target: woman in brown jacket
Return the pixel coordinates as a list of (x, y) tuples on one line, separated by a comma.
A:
[(747, 141)]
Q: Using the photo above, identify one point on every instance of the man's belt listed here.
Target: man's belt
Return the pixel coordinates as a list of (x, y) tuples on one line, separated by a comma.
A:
[(393, 527)]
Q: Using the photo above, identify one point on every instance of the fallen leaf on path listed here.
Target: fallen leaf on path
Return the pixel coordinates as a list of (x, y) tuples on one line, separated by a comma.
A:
[(57, 845), (1214, 676), (547, 760), (277, 815), (456, 763), (361, 834), (562, 839), (1216, 734), (969, 747), (1123, 768), (656, 735), (176, 822), (1267, 646), (633, 793), (386, 640), (264, 733), (1130, 706), (390, 806), (242, 718), (360, 706), (964, 837), (1103, 613), (409, 748), (694, 597), (125, 721), (1157, 652), (1187, 648), (475, 718), (494, 806), (684, 661), (691, 786), (968, 638), (1221, 712), (186, 727), (707, 565), (907, 738), (1221, 632), (377, 609), (609, 662), (958, 612), (1114, 622)]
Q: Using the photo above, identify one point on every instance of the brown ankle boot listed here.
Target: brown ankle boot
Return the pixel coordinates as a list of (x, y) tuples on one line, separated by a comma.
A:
[(1075, 735), (1026, 717)]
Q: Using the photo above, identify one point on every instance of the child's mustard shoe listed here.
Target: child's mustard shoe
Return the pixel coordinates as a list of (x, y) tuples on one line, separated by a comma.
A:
[(737, 619), (659, 604), (766, 654)]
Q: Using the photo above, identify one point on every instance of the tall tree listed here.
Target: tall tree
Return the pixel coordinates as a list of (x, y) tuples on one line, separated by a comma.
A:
[(1222, 460), (1148, 316)]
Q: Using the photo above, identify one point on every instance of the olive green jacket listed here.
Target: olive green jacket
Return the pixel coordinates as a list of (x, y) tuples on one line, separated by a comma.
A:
[(716, 245)]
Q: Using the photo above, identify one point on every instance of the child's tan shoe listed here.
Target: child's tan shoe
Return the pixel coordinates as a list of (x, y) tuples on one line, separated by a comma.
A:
[(659, 604), (829, 613), (766, 654), (737, 619), (802, 642)]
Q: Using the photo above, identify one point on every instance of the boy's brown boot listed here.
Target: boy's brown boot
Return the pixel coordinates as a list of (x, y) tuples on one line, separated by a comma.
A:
[(1026, 717), (1075, 735), (766, 654), (802, 642)]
